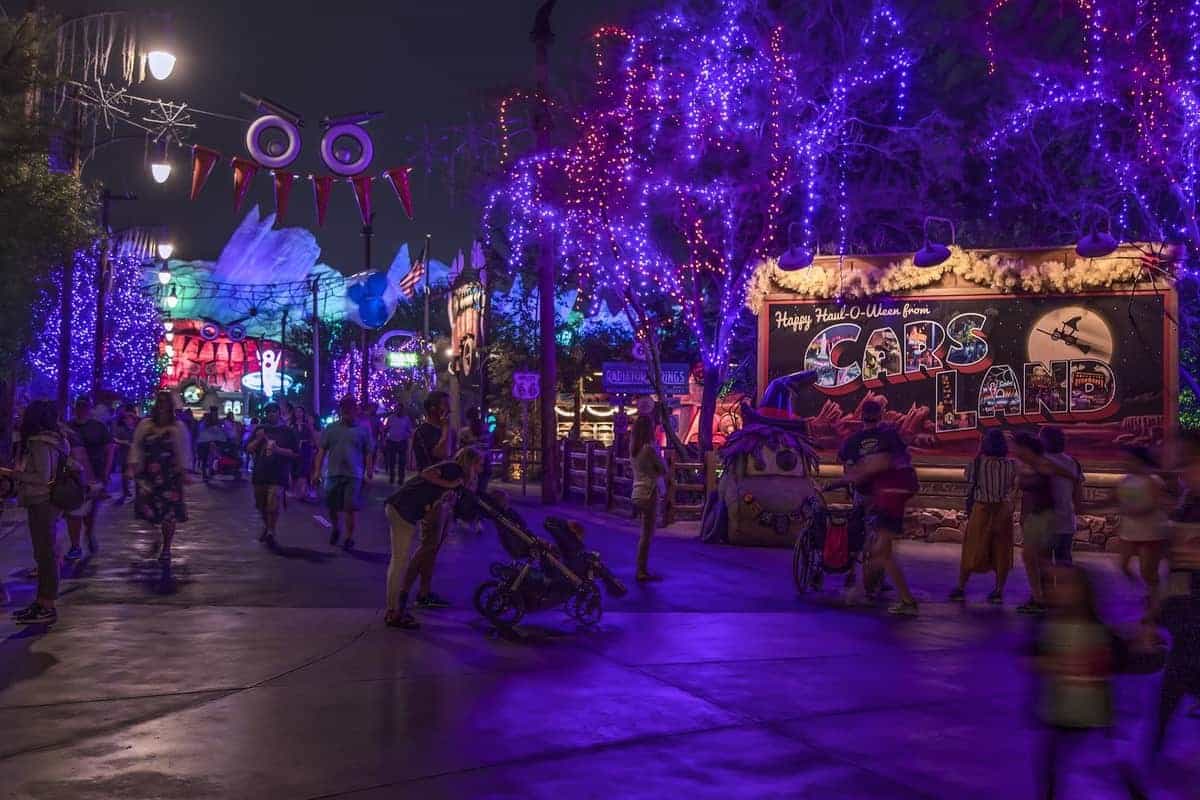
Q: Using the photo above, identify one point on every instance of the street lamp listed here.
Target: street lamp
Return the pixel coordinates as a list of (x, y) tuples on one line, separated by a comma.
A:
[(161, 64), (165, 250), (173, 299), (160, 167), (164, 274)]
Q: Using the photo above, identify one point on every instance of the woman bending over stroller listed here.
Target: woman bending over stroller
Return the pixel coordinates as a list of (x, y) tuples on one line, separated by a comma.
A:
[(418, 502)]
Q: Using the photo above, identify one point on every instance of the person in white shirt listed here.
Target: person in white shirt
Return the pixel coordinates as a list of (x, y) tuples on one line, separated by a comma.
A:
[(398, 429)]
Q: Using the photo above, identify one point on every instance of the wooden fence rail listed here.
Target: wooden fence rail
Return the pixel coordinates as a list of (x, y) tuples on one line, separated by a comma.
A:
[(593, 475)]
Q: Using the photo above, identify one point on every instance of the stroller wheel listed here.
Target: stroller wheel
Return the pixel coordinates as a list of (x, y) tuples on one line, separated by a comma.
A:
[(586, 606), (501, 607)]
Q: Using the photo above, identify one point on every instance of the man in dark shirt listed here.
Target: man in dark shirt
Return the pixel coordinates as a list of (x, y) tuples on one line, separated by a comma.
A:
[(431, 440), (418, 503), (430, 445), (273, 447), (91, 443), (875, 460)]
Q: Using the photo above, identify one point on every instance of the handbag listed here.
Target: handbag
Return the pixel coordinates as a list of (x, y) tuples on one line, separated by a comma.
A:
[(67, 492), (971, 487)]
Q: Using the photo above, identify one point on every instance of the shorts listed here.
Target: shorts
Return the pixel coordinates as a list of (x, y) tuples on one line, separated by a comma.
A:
[(343, 493), (1036, 532), (268, 496)]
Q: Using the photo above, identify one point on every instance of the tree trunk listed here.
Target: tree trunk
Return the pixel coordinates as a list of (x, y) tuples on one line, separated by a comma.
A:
[(708, 406)]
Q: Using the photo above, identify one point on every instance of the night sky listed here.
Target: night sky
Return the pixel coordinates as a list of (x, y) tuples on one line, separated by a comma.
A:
[(420, 61)]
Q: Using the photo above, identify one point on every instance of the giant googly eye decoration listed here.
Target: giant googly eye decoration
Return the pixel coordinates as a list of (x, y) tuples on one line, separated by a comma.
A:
[(236, 333), (209, 332), (274, 142), (347, 149)]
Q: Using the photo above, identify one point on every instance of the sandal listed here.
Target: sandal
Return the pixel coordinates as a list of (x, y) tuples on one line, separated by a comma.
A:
[(401, 619)]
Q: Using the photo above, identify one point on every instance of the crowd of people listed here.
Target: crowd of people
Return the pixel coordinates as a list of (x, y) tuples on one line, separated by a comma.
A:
[(66, 468)]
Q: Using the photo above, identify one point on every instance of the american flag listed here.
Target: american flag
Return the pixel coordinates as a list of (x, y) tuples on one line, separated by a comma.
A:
[(411, 282)]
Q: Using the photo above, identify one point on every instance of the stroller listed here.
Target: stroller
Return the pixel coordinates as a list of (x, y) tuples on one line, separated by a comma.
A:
[(541, 575), (225, 458)]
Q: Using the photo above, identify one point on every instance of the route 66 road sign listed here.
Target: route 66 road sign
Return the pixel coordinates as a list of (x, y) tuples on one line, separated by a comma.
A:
[(525, 385)]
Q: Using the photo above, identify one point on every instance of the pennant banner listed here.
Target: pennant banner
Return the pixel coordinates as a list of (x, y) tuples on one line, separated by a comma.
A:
[(203, 161), (244, 171), (362, 193), (398, 178), (283, 190), (322, 185)]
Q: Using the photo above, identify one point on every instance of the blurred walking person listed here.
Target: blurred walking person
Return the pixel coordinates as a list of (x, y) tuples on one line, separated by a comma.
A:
[(92, 447), (431, 445), (1066, 487), (274, 447), (398, 431), (345, 455), (306, 437), (123, 427), (40, 452), (1034, 473), (1075, 659), (988, 543), (1141, 496), (158, 461)]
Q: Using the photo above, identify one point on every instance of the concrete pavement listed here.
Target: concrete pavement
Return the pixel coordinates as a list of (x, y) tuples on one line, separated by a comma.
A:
[(244, 673)]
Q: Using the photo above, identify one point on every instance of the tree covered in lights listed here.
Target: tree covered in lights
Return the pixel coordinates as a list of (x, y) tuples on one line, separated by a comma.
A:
[(1103, 126), (712, 137), (133, 324)]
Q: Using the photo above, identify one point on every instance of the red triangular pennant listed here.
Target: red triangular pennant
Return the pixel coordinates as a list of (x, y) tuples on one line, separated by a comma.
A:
[(203, 161), (283, 190), (244, 171), (362, 193), (322, 185), (398, 178)]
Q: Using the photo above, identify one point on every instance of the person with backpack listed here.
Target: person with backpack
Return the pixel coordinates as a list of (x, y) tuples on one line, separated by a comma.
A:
[(988, 543), (1066, 486), (1075, 657), (43, 479), (158, 460)]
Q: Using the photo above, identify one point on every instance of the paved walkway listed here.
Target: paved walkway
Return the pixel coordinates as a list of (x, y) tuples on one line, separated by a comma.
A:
[(250, 674)]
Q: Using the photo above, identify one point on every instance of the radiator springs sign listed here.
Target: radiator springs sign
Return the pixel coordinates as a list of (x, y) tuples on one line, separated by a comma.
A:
[(948, 367)]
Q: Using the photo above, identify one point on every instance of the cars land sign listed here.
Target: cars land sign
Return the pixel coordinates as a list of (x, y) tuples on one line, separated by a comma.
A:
[(633, 377), (525, 386), (1100, 365)]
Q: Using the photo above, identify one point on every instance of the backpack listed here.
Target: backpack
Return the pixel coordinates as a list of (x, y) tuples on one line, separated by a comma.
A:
[(67, 492)]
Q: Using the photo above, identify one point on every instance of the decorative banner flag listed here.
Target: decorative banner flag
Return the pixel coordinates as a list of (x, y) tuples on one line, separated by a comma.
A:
[(203, 161), (398, 178), (244, 171), (362, 193), (283, 190), (322, 185)]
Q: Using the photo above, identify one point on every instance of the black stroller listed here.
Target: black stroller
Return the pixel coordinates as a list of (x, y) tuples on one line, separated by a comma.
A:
[(541, 575)]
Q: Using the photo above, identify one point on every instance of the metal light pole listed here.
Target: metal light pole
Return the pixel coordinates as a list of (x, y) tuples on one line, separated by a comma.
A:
[(542, 36), (103, 281), (368, 232), (316, 348)]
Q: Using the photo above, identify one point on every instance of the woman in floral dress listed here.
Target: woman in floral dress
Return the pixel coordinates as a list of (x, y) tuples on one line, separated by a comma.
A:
[(158, 462)]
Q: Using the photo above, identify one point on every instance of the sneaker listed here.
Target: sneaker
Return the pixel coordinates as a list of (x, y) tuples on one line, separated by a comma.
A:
[(348, 544), (903, 609), (74, 554), (401, 619), (432, 600), (1031, 608), (995, 598), (957, 595), (35, 614)]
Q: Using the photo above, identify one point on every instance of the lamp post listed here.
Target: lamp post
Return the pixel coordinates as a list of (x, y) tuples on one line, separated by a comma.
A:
[(103, 280)]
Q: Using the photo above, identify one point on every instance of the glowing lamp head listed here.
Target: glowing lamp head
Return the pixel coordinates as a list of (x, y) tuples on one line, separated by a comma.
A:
[(161, 64), (164, 275), (168, 326), (161, 171), (173, 299), (165, 250)]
